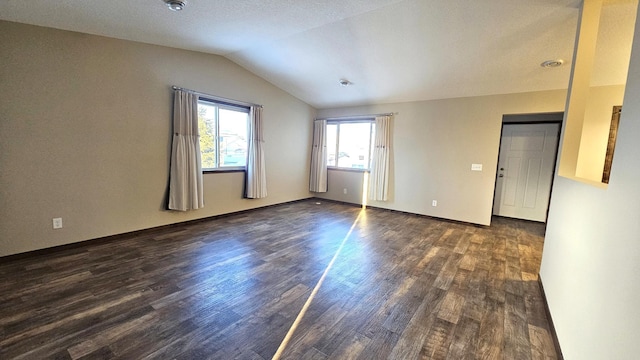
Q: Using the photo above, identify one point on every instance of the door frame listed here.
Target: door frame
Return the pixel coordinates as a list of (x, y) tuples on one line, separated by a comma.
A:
[(528, 119)]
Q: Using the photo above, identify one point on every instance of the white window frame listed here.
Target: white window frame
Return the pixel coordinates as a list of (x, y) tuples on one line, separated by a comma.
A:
[(227, 106), (372, 123)]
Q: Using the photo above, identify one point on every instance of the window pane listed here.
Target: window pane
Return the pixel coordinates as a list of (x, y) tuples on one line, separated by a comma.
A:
[(353, 149), (233, 137), (332, 132), (207, 130)]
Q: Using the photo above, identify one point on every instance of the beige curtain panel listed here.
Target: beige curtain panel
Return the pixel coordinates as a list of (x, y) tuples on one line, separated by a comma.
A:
[(379, 178), (318, 176), (185, 182), (256, 176)]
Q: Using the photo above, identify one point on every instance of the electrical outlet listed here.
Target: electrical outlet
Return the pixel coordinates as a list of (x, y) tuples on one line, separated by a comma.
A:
[(434, 203), (476, 167), (344, 190), (57, 223)]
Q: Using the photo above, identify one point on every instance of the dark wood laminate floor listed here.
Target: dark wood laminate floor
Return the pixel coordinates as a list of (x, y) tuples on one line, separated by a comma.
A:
[(403, 287)]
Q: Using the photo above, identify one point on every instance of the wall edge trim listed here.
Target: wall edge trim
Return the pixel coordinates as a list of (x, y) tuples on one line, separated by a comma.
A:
[(552, 328)]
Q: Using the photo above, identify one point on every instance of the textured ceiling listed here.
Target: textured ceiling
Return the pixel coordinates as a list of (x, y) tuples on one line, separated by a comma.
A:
[(392, 50)]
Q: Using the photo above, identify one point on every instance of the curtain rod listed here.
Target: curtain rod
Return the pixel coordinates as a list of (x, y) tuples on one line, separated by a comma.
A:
[(218, 98), (358, 116)]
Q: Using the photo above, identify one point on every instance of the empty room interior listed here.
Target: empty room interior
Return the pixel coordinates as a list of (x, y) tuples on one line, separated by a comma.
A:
[(388, 179)]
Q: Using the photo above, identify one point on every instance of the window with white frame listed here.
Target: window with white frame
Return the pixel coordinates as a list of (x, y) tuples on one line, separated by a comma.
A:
[(349, 143), (223, 135)]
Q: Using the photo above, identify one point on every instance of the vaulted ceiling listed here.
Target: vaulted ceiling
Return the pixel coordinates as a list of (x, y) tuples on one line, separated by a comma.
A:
[(391, 50)]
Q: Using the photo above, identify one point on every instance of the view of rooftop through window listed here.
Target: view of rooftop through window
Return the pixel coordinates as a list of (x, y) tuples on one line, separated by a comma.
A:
[(349, 144), (223, 135)]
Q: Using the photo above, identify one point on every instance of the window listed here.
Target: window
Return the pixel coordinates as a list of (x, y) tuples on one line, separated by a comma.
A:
[(223, 135), (349, 144)]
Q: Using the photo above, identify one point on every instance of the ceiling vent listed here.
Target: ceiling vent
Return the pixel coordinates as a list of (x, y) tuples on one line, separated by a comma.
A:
[(175, 5)]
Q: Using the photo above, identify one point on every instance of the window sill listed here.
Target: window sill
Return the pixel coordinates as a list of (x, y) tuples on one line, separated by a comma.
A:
[(347, 169), (219, 171)]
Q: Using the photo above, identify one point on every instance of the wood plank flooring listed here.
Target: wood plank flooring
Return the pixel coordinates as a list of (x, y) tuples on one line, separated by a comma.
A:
[(402, 287)]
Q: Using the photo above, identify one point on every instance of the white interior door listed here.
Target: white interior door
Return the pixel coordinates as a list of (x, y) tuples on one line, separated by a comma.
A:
[(525, 170)]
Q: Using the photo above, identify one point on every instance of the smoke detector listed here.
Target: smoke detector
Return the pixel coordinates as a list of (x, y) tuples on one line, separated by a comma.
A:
[(552, 63), (175, 5), (345, 82)]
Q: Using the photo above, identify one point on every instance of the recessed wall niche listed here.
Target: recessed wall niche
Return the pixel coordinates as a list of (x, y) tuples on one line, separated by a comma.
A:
[(598, 79)]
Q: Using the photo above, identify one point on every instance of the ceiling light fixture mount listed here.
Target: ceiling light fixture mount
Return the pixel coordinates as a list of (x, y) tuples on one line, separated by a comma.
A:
[(175, 5), (552, 63), (345, 82)]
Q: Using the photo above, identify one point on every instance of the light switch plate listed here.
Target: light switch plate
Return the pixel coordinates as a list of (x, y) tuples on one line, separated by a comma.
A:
[(476, 167), (57, 223)]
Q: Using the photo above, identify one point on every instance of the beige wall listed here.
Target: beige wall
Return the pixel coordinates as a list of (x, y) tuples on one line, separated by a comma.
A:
[(85, 135), (434, 145), (338, 181), (591, 259)]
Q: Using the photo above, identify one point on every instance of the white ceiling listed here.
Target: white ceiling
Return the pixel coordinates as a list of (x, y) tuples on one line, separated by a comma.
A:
[(392, 50)]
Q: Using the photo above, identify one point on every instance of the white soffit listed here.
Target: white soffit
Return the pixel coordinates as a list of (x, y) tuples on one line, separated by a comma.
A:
[(392, 50)]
